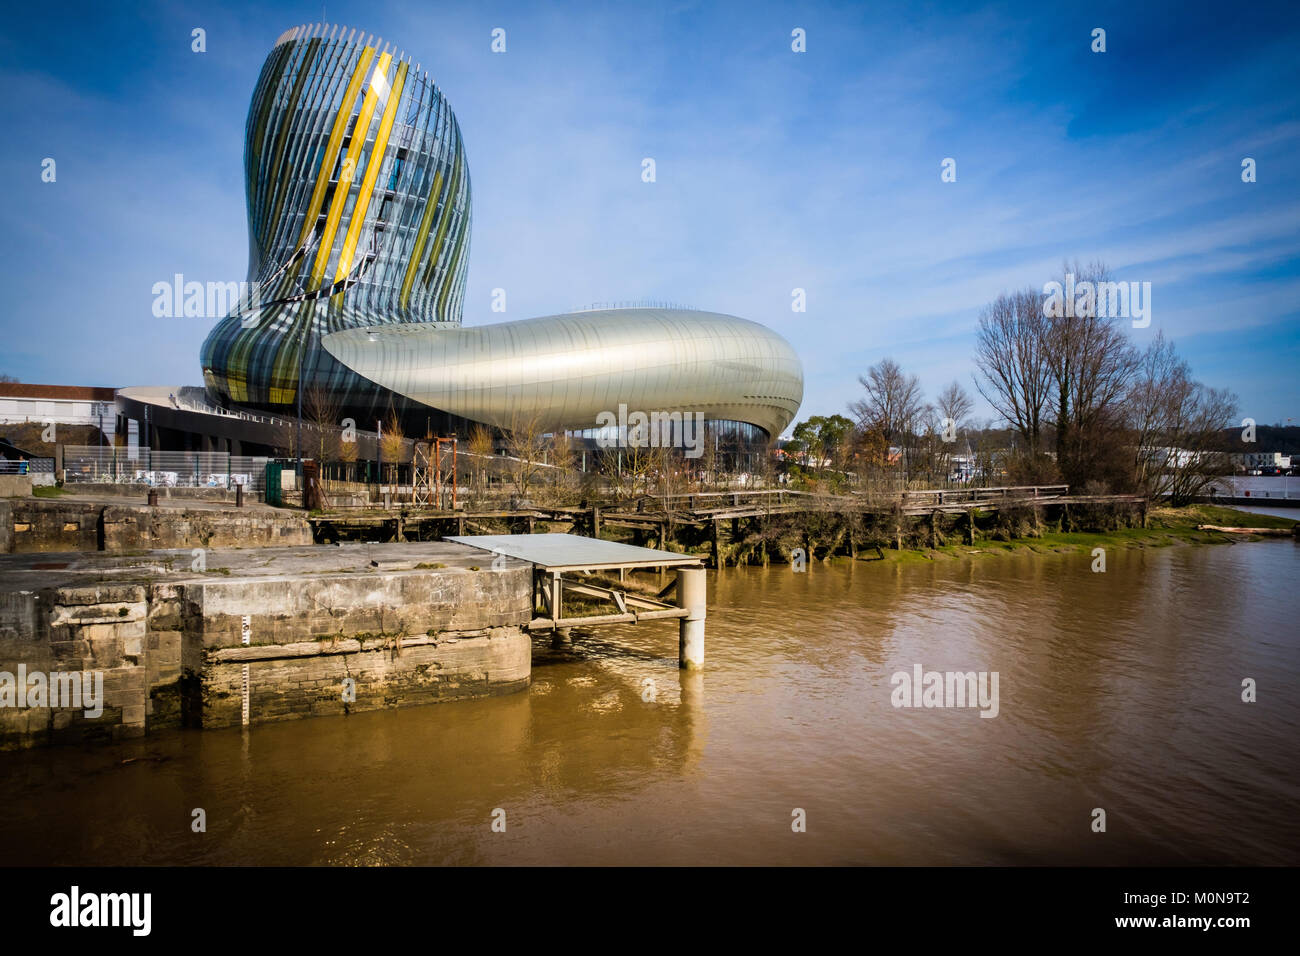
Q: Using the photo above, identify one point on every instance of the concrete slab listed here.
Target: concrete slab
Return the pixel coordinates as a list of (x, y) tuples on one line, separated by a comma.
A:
[(35, 571), (571, 552)]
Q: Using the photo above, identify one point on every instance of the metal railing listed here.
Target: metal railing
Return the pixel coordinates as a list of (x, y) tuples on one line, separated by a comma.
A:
[(163, 469), (26, 466)]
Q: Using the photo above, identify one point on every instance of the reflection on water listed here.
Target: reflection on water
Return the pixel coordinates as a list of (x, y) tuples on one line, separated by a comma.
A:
[(1119, 690)]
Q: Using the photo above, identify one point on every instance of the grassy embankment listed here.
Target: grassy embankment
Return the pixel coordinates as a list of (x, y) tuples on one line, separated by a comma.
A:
[(1165, 527), (49, 491)]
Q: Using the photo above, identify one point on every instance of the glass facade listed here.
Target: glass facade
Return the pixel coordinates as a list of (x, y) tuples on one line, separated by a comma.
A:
[(358, 198)]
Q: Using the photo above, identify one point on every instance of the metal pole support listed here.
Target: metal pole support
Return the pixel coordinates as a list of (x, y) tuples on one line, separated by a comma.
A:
[(692, 594)]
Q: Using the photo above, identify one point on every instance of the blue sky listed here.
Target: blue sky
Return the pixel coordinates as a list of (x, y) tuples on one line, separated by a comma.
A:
[(775, 170)]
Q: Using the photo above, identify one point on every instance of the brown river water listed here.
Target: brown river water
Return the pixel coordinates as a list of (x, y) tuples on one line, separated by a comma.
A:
[(1118, 690)]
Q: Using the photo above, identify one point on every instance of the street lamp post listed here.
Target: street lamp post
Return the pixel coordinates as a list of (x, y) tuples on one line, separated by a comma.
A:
[(302, 355)]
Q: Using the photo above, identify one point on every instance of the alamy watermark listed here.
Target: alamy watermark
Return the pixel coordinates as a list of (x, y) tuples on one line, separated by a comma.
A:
[(652, 430), (1109, 300), (204, 300), (84, 689), (923, 688), (75, 908)]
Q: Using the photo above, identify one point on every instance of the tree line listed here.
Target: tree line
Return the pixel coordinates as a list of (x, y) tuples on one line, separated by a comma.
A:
[(1078, 402)]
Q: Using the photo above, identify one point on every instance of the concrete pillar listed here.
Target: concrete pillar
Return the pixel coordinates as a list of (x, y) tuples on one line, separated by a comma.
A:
[(692, 594)]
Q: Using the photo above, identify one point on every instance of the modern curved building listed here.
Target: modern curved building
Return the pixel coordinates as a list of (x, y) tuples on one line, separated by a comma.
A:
[(359, 224)]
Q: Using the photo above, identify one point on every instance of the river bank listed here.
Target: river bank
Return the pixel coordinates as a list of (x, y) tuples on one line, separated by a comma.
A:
[(1166, 527), (893, 537)]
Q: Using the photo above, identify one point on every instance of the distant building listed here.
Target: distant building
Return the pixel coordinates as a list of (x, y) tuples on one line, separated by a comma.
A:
[(1169, 457), (62, 404), (1262, 459)]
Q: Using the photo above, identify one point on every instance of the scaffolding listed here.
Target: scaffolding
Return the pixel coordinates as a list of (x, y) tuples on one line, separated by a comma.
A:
[(445, 477), (421, 477), (433, 478)]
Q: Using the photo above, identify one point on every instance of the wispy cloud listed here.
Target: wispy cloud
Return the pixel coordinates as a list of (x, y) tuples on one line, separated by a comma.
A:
[(775, 170)]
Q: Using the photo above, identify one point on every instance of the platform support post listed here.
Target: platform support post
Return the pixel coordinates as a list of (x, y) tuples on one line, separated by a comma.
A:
[(692, 594)]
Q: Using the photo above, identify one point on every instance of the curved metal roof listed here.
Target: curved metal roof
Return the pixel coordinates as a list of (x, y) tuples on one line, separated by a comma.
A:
[(568, 369)]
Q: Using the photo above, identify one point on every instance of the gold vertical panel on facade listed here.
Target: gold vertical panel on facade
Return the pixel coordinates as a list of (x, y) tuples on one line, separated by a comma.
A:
[(336, 138), (359, 133), (330, 75), (372, 173), (283, 382), (275, 68), (449, 275), (282, 177), (421, 236), (447, 216)]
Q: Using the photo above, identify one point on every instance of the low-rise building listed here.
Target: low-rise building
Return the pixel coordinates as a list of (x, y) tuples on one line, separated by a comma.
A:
[(21, 403), (1262, 459)]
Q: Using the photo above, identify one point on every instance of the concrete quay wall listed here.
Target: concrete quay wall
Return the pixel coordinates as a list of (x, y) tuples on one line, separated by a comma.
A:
[(35, 525), (329, 630)]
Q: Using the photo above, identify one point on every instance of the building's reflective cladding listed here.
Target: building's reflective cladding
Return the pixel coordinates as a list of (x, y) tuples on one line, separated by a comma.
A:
[(359, 221)]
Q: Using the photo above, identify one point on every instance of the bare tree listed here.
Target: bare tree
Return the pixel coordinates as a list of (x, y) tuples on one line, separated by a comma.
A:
[(1175, 426), (954, 407), (1149, 403), (639, 467), (526, 446), (321, 408), (393, 445), (1201, 415), (1014, 363), (561, 455), (348, 453), (610, 464), (479, 447), (707, 463), (893, 405), (1092, 362), (955, 404), (933, 448)]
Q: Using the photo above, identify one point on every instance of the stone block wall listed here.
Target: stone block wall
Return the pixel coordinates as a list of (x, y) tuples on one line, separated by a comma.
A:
[(98, 631), (29, 525), (307, 680), (38, 525), (139, 527), (171, 652)]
